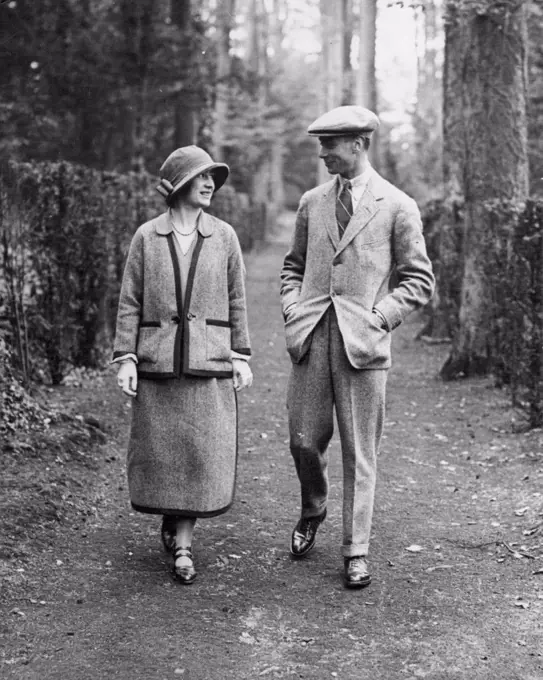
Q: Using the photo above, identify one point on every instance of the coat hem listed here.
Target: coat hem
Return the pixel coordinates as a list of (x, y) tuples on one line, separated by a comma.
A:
[(184, 513)]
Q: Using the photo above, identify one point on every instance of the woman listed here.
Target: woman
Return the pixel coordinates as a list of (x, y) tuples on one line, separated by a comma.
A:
[(183, 346)]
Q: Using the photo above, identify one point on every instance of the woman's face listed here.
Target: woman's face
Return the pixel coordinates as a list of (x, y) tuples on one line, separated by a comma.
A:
[(201, 190)]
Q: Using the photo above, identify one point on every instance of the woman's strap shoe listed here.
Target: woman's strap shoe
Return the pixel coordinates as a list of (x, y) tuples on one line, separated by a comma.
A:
[(187, 573)]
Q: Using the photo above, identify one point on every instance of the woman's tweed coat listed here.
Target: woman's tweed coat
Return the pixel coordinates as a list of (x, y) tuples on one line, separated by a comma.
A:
[(183, 444), (168, 336)]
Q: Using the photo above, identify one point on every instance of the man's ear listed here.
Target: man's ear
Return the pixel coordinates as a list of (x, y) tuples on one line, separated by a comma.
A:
[(357, 144)]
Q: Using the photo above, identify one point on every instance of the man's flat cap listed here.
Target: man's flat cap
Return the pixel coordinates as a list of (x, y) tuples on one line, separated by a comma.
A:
[(344, 120)]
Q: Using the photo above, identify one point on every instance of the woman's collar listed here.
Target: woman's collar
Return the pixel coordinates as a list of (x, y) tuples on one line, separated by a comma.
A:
[(164, 224)]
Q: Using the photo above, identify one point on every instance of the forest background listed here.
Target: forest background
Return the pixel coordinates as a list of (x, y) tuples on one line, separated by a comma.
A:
[(94, 94)]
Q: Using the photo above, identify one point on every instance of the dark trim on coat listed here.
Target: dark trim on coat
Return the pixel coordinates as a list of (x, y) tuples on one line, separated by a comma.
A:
[(218, 322), (208, 374), (188, 295), (149, 375), (195, 373), (243, 350), (179, 299), (149, 324)]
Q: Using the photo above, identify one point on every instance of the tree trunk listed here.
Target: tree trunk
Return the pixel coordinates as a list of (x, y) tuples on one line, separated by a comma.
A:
[(260, 179), (332, 27), (366, 86), (448, 265), (348, 95), (186, 121), (225, 17), (181, 13), (489, 44), (276, 185), (185, 115), (428, 118), (138, 18), (277, 150)]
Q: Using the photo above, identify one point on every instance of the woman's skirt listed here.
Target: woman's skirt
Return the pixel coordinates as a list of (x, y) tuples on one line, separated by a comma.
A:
[(182, 452)]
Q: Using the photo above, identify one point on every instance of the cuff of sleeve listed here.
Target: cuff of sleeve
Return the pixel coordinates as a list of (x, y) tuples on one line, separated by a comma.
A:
[(243, 357), (125, 357), (382, 317)]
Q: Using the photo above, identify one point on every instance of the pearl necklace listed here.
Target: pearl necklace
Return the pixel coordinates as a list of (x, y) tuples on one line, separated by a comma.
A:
[(183, 233)]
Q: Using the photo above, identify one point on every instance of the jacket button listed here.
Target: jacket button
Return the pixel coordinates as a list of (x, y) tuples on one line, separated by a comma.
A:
[(176, 319), (190, 316)]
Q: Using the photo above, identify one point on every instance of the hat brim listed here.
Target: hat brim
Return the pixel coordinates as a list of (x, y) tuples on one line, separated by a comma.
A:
[(220, 175)]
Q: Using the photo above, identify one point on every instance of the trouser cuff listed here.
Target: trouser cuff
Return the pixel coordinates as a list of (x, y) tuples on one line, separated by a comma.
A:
[(355, 550)]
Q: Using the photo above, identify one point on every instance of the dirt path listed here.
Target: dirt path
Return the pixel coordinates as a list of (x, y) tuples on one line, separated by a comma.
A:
[(455, 487)]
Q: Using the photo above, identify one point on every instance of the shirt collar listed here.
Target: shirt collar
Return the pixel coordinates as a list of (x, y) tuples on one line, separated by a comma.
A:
[(358, 182)]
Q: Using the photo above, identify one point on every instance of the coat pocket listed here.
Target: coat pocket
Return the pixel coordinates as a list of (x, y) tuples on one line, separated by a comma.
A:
[(218, 344), (148, 342)]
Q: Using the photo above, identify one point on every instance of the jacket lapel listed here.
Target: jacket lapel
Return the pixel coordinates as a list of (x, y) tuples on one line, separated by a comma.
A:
[(328, 211), (366, 209)]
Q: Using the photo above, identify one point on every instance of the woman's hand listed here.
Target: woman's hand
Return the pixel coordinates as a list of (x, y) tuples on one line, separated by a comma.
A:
[(127, 377), (243, 376)]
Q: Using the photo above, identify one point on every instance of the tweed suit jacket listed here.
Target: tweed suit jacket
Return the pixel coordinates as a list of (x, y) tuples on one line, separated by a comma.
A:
[(354, 274), (167, 336)]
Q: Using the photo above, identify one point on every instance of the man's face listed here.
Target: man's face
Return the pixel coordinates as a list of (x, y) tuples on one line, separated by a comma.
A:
[(340, 154)]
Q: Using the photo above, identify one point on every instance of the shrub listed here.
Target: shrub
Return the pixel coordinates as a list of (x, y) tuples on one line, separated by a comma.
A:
[(519, 308)]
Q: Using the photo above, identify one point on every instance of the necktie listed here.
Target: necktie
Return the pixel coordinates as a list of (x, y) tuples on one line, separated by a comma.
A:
[(344, 208)]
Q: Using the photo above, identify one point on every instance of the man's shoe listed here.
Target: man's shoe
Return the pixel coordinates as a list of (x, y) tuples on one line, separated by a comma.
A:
[(304, 534), (356, 574)]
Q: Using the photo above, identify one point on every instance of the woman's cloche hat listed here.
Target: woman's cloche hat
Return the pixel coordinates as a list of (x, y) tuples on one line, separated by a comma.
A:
[(186, 163)]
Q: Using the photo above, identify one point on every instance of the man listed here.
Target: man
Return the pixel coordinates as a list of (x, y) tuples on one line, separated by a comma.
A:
[(340, 303)]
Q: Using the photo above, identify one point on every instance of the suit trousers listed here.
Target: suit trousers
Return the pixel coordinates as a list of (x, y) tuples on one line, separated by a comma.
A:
[(324, 379)]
